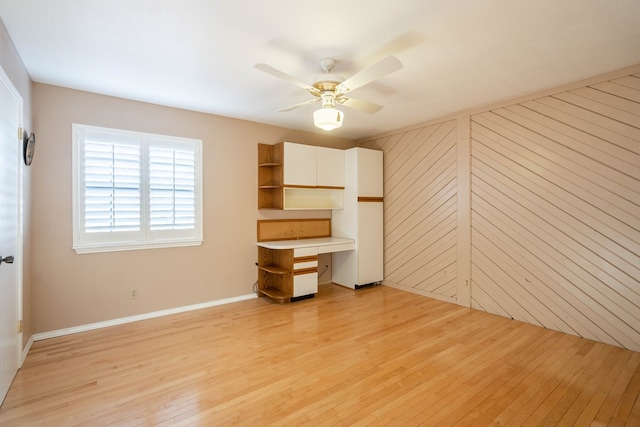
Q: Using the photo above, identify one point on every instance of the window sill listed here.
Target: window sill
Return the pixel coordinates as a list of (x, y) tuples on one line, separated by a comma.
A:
[(117, 247)]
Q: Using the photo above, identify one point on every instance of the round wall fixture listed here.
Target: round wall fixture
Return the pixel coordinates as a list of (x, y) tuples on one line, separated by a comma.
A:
[(29, 147)]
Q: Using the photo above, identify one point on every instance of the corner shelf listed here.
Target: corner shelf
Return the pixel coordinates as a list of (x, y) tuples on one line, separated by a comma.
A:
[(275, 274), (276, 295)]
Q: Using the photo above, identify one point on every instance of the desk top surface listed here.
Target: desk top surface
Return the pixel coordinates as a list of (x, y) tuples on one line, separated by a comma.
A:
[(306, 243)]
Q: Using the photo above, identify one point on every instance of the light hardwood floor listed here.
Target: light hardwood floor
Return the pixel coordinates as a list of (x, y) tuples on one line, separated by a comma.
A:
[(377, 356)]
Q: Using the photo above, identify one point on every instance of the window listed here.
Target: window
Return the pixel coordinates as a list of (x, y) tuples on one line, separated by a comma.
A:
[(134, 190)]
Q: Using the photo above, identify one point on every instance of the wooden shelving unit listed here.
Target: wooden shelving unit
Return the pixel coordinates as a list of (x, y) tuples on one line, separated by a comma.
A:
[(270, 176), (275, 274)]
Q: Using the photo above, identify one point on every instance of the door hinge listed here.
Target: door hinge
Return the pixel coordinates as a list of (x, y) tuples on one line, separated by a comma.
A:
[(19, 326)]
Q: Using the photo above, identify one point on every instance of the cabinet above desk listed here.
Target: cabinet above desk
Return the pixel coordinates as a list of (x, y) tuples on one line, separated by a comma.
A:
[(297, 177)]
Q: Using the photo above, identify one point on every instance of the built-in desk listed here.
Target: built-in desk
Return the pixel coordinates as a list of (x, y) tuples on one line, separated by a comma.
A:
[(288, 256), (288, 269)]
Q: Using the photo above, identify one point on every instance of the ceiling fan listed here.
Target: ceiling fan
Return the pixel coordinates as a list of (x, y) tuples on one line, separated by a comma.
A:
[(331, 92)]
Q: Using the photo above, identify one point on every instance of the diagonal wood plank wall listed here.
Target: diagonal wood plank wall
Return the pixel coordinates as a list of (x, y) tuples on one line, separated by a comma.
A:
[(554, 213), (420, 209)]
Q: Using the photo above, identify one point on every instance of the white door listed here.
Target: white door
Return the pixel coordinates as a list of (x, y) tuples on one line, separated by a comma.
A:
[(329, 167), (299, 165), (370, 169), (10, 151), (370, 242)]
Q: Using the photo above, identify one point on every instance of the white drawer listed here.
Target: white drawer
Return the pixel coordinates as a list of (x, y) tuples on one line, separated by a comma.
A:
[(308, 264), (305, 284), (305, 252), (336, 248)]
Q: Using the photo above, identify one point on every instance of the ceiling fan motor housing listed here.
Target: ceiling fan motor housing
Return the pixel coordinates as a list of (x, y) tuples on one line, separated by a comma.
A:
[(328, 99)]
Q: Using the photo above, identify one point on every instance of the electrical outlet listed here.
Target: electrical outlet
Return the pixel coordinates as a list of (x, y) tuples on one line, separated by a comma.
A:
[(133, 294)]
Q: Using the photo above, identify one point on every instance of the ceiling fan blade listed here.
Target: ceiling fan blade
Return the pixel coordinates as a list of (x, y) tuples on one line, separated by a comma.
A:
[(386, 65), (358, 104), (302, 104), (284, 76)]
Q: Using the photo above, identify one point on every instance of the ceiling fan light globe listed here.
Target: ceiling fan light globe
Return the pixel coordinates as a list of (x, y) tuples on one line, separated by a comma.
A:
[(328, 118)]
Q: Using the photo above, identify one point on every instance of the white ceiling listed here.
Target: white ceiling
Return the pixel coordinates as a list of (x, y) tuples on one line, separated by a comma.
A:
[(199, 54)]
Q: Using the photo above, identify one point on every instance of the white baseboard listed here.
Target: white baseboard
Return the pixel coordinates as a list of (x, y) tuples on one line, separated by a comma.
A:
[(129, 319)]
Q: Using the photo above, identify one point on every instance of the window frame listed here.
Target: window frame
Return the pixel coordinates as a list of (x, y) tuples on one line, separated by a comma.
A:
[(145, 238)]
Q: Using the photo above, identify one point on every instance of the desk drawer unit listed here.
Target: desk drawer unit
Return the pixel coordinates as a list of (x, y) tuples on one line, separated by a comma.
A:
[(305, 272)]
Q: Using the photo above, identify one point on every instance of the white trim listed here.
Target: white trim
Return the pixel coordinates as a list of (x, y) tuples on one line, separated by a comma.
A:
[(463, 211), (26, 350), (91, 326), (98, 248)]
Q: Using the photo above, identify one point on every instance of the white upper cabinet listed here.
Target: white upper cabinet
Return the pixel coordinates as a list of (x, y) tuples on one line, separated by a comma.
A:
[(299, 165), (329, 167), (310, 166), (370, 171), (298, 176)]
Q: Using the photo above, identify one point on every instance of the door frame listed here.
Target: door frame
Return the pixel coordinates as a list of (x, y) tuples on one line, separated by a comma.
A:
[(19, 263)]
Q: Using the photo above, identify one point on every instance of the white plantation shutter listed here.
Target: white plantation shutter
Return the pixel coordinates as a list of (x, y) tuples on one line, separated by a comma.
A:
[(134, 190), (112, 178), (172, 188)]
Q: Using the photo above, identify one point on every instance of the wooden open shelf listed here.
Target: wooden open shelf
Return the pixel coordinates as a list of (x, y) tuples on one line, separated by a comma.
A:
[(274, 269), (276, 295)]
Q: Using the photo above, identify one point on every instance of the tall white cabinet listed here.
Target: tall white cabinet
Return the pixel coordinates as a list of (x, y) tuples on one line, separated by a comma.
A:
[(360, 219)]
